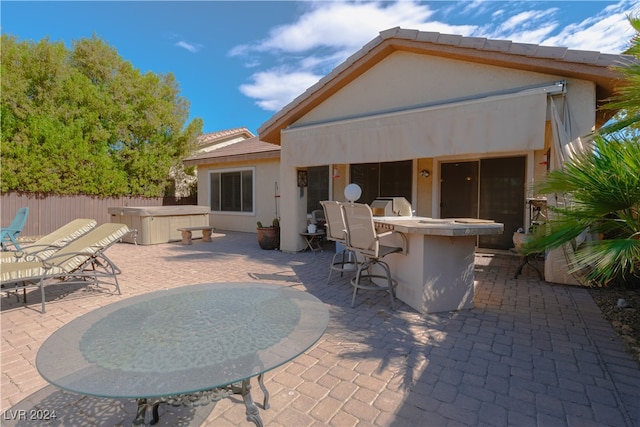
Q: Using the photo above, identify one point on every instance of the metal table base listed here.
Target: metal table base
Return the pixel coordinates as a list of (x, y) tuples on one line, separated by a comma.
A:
[(206, 397)]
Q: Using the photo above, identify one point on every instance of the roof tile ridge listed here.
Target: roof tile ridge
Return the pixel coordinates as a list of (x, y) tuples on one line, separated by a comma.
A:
[(205, 137), (391, 33), (531, 50), (450, 39)]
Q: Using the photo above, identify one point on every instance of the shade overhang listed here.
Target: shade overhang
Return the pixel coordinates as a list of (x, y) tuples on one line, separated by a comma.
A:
[(502, 123)]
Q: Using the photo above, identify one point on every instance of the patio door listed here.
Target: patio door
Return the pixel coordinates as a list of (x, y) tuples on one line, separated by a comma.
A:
[(489, 188), (459, 190)]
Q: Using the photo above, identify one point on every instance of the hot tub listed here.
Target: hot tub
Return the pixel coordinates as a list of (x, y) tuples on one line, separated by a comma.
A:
[(159, 224)]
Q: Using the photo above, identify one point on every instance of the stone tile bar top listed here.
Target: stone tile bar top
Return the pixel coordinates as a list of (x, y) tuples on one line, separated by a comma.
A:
[(440, 227), (436, 273)]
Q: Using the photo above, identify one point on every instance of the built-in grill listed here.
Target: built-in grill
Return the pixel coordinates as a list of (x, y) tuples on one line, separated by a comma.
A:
[(391, 206)]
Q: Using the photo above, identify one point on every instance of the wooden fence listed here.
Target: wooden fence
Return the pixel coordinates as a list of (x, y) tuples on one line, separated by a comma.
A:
[(46, 213)]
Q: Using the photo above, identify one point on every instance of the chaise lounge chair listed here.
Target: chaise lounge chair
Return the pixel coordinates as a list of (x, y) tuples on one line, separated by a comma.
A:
[(10, 233), (81, 261), (48, 245)]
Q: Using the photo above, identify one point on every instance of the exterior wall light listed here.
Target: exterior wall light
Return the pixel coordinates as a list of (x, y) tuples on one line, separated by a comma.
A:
[(425, 173)]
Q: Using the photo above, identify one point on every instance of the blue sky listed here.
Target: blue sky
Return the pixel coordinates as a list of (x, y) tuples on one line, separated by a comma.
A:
[(239, 62)]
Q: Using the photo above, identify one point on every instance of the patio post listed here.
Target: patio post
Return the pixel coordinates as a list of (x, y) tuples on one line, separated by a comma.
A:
[(293, 212)]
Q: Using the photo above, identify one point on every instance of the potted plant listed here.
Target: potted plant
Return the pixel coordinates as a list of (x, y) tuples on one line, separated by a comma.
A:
[(269, 237)]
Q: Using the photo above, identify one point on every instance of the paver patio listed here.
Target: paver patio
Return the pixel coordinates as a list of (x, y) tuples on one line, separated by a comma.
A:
[(529, 353)]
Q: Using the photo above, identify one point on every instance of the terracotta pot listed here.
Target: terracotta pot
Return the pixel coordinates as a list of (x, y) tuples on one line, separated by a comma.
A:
[(269, 237)]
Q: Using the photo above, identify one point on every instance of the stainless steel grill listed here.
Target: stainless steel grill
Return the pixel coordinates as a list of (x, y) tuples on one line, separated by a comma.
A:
[(391, 206)]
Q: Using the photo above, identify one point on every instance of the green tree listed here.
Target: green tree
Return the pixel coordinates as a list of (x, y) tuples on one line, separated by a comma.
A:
[(602, 190), (84, 121)]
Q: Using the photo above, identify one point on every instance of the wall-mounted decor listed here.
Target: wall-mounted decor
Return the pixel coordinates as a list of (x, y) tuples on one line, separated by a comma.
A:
[(302, 178)]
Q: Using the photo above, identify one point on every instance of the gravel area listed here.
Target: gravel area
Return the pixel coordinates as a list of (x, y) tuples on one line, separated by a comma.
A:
[(622, 308)]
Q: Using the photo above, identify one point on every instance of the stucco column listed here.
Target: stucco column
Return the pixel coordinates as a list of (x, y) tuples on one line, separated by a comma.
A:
[(293, 217)]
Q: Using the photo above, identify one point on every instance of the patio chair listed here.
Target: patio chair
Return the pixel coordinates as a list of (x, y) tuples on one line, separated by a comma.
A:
[(47, 245), (10, 233), (363, 238), (337, 232), (81, 261)]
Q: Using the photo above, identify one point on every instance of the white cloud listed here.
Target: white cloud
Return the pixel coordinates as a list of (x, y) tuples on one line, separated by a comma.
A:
[(466, 8), (191, 47), (344, 25), (527, 19), (444, 28), (240, 50), (536, 35), (274, 89), (323, 62), (323, 37), (529, 26), (609, 31), (328, 32)]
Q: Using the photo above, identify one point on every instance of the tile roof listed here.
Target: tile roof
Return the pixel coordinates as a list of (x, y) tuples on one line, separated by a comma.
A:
[(587, 65), (208, 138), (248, 149)]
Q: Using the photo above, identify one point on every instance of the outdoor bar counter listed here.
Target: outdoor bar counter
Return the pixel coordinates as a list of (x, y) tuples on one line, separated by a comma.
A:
[(437, 272)]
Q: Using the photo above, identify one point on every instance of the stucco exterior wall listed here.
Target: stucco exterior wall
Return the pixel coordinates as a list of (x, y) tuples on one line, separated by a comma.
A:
[(424, 189), (267, 206), (408, 80)]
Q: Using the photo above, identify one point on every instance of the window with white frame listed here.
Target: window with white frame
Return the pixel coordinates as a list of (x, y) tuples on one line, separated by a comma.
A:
[(232, 190)]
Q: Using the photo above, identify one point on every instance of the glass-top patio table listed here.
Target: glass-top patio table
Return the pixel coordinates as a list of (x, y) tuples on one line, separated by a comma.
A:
[(188, 345)]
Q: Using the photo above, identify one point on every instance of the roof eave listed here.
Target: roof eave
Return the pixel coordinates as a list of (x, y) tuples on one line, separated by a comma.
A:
[(605, 78), (348, 71), (264, 155)]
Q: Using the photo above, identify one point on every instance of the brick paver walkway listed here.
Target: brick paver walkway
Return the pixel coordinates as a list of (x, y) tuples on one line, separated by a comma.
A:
[(528, 354)]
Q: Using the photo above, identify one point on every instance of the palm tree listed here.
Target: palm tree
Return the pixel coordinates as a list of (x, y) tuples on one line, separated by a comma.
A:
[(627, 99), (602, 190)]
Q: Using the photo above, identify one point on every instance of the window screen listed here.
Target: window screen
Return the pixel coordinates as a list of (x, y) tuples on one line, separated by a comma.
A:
[(232, 191)]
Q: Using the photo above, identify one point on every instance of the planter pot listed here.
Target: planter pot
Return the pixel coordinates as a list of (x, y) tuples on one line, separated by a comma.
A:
[(269, 237), (519, 239)]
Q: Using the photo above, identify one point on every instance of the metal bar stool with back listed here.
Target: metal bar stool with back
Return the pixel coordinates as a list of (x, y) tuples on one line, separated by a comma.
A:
[(344, 260), (363, 238)]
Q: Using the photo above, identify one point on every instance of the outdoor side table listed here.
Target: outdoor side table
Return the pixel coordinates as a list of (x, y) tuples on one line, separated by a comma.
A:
[(313, 241), (530, 260), (191, 345)]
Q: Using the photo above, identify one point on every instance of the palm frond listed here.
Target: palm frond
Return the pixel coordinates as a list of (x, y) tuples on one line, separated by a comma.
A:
[(599, 191), (610, 260)]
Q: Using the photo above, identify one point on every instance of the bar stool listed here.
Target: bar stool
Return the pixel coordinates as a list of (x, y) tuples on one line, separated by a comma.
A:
[(363, 238), (336, 231)]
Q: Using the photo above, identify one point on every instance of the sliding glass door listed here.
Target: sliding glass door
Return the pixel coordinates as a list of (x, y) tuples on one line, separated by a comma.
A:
[(491, 188)]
